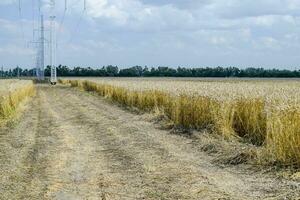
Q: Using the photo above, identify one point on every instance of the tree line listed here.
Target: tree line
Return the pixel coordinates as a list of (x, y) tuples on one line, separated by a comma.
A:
[(139, 71)]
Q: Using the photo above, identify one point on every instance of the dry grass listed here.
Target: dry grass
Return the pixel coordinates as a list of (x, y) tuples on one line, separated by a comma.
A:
[(12, 93), (264, 113), (283, 138), (250, 120)]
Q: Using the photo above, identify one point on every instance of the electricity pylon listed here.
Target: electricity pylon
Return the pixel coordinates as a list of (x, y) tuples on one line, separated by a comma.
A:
[(40, 59), (52, 52), (40, 56), (39, 44), (53, 78)]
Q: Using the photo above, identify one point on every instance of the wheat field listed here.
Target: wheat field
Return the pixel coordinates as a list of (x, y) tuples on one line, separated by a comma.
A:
[(265, 113), (12, 93)]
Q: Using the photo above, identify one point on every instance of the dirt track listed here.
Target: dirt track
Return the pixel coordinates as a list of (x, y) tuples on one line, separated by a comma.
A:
[(73, 145)]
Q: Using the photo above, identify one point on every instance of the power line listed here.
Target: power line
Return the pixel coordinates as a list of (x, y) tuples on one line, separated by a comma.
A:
[(63, 17), (60, 25), (21, 20), (33, 18), (53, 32), (76, 28), (79, 22), (40, 6), (39, 42)]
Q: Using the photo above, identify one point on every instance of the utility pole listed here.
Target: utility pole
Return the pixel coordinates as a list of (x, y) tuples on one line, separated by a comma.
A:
[(52, 51), (41, 41), (40, 60), (42, 49), (53, 78)]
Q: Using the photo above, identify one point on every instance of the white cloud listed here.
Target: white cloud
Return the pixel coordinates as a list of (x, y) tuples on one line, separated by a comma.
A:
[(270, 42), (8, 26), (218, 40), (16, 50), (6, 2), (172, 30)]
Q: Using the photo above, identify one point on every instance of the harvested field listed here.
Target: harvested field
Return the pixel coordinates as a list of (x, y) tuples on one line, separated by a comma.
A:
[(71, 144)]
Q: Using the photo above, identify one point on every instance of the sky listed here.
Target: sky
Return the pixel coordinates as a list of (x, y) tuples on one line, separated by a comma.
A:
[(189, 33)]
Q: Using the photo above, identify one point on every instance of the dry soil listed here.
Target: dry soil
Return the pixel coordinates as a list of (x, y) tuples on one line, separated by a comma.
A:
[(73, 145)]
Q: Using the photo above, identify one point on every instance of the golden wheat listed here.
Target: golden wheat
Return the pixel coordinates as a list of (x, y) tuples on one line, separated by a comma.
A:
[(12, 93), (265, 113)]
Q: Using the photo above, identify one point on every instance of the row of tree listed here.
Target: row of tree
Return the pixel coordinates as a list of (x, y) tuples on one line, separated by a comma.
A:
[(139, 71)]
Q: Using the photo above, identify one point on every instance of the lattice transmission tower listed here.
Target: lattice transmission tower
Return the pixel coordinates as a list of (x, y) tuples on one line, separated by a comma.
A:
[(40, 58), (52, 42), (39, 42), (52, 52)]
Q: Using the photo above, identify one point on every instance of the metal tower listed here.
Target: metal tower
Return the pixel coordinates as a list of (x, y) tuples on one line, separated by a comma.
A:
[(53, 78), (52, 52), (41, 54), (40, 62), (41, 41)]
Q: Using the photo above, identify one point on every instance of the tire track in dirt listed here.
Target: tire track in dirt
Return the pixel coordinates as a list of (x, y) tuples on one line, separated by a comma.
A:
[(160, 175), (74, 145), (122, 166), (156, 148), (16, 143), (61, 170)]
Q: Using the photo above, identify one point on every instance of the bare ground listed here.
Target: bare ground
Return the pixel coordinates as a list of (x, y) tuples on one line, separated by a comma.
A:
[(73, 145)]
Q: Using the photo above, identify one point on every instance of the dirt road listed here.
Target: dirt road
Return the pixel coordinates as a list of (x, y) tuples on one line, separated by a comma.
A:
[(73, 145)]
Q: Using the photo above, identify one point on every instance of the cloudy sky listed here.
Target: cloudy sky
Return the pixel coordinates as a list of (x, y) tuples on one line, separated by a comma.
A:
[(191, 33)]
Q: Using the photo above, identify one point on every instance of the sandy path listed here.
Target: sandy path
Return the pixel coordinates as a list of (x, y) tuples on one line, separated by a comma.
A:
[(73, 145)]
